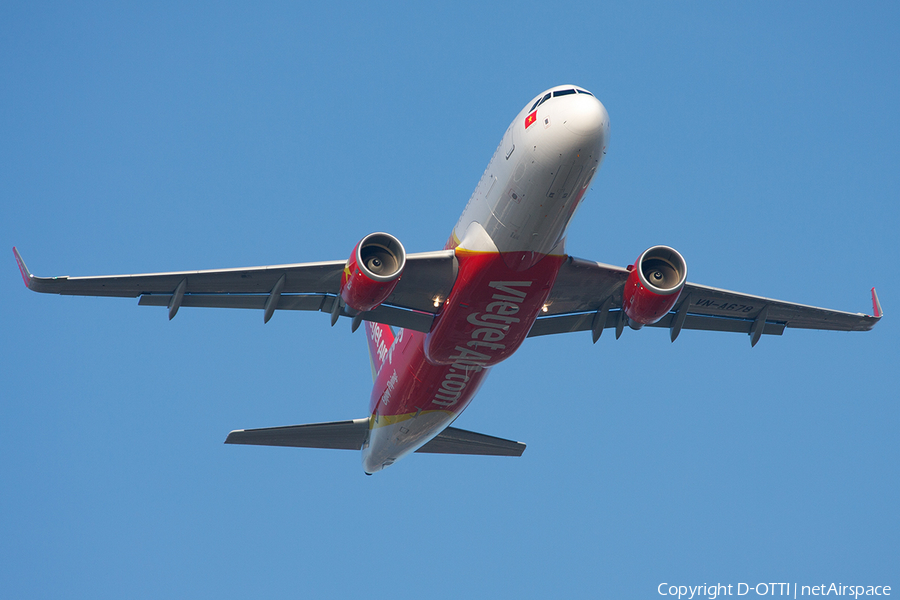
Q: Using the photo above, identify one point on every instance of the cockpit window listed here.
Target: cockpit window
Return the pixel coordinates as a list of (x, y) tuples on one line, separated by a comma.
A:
[(549, 95), (540, 101)]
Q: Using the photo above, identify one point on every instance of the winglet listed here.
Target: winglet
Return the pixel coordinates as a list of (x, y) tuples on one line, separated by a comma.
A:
[(26, 274), (876, 305)]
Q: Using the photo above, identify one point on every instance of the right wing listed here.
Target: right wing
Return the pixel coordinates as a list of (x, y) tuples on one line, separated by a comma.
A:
[(302, 286), (587, 296)]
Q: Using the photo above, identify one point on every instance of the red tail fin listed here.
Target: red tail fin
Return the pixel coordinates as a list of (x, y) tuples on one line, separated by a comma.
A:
[(380, 338)]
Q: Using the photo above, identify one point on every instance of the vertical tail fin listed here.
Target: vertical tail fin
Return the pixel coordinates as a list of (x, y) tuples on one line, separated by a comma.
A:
[(380, 338)]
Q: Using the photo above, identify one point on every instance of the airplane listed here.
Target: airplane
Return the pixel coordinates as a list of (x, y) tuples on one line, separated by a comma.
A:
[(437, 322)]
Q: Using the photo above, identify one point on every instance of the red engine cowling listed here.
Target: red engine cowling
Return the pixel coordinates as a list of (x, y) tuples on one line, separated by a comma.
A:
[(653, 286), (372, 272)]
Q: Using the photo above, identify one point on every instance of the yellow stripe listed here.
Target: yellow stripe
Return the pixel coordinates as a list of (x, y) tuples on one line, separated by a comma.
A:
[(376, 421)]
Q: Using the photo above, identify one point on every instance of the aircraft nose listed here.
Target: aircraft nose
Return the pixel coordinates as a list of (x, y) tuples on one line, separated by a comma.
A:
[(585, 115)]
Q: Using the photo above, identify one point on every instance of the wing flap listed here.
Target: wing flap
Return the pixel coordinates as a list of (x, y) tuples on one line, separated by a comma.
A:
[(387, 315), (312, 302), (584, 322)]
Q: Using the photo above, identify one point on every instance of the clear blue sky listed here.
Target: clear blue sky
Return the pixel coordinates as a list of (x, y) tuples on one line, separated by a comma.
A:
[(760, 140)]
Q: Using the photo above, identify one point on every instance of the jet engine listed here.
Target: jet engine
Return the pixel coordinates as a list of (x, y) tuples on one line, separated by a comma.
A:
[(653, 286), (372, 272)]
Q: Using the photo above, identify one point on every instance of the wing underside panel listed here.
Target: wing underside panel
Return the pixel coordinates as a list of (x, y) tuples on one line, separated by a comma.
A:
[(584, 322), (583, 287), (387, 315), (302, 286)]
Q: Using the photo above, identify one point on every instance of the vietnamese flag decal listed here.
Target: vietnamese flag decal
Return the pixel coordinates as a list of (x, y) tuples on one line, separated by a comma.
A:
[(530, 119)]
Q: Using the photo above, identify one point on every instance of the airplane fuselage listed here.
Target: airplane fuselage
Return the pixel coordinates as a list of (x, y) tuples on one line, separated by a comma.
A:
[(503, 276), (509, 244)]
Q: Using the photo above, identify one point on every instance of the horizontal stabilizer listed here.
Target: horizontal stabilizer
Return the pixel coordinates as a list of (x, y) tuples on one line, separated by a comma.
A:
[(338, 435), (460, 441), (350, 435)]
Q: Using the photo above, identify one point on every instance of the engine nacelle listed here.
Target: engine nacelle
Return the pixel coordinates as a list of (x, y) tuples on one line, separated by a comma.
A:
[(372, 272), (653, 286)]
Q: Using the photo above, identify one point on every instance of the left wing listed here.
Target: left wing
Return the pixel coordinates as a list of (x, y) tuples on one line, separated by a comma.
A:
[(302, 286), (587, 296)]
